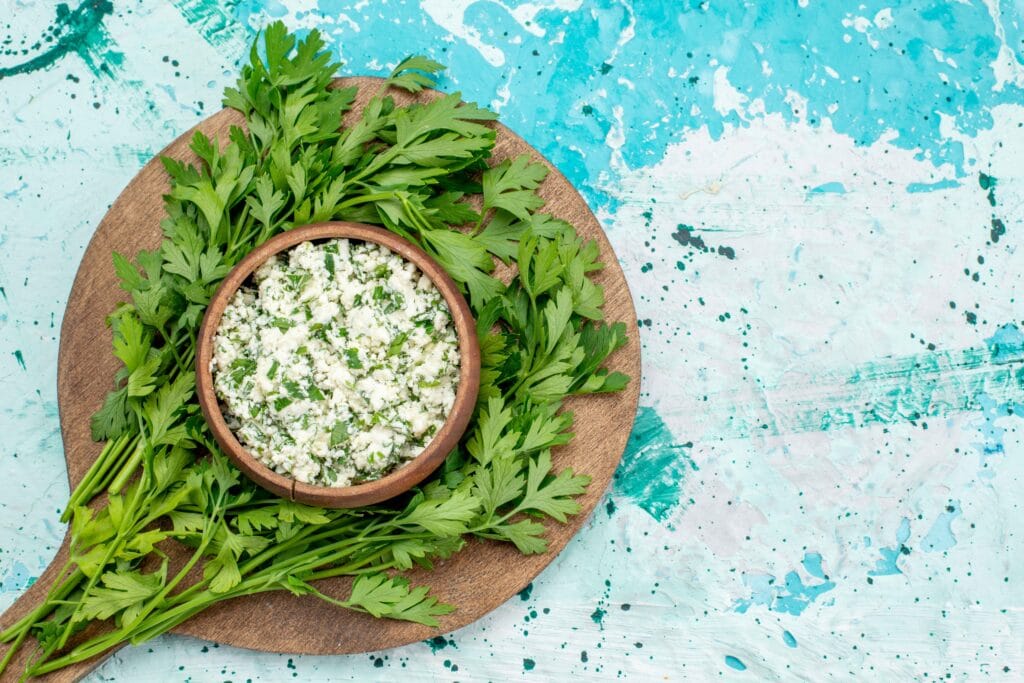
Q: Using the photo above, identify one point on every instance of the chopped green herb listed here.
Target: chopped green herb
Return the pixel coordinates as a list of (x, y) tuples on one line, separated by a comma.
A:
[(339, 434), (293, 388), (242, 368), (298, 280), (397, 343)]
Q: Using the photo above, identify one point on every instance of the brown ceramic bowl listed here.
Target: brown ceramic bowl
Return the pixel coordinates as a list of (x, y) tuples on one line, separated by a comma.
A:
[(404, 477)]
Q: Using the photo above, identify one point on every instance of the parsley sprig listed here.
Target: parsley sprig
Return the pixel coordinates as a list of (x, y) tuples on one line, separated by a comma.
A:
[(421, 171)]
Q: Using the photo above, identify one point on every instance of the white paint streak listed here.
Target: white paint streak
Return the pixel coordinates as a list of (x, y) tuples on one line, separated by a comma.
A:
[(451, 16), (785, 238), (726, 98), (883, 18), (1005, 66), (526, 13)]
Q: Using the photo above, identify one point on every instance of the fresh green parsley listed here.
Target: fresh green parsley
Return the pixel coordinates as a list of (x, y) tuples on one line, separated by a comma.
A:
[(416, 170)]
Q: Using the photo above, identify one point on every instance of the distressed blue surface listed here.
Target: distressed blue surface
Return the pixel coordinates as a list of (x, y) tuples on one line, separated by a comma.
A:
[(817, 207)]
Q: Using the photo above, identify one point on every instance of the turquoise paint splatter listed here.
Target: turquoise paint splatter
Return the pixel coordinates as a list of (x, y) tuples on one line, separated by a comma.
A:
[(812, 563), (788, 639), (828, 188), (72, 31), (1003, 345), (1006, 343), (887, 391), (887, 565), (940, 538), (946, 184), (16, 191), (735, 663), (553, 82), (800, 596), (793, 596), (653, 468), (991, 412), (17, 578), (216, 23)]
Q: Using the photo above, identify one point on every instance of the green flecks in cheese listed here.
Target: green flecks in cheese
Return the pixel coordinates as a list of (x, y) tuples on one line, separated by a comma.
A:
[(338, 365)]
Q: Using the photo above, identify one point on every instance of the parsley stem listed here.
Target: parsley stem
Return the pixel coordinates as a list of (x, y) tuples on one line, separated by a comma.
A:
[(13, 649), (346, 570), (128, 470), (363, 199), (57, 593), (156, 623), (124, 532), (161, 597), (98, 468), (115, 466), (96, 480)]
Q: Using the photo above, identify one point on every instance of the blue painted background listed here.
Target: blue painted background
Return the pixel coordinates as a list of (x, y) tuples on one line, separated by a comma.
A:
[(817, 206)]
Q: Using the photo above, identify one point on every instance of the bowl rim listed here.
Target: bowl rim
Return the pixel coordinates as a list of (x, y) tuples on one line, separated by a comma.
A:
[(406, 476)]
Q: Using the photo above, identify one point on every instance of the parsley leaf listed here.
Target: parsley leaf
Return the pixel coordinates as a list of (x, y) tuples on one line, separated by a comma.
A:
[(512, 184)]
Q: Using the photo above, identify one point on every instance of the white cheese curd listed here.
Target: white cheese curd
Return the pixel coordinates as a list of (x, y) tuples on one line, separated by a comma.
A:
[(338, 365)]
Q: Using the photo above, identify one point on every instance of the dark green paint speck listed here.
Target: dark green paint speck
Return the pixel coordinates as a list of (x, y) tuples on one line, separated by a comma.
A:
[(998, 230), (988, 183), (437, 643)]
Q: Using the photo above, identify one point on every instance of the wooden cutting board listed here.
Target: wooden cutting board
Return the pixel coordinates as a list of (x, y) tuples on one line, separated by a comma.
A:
[(476, 580)]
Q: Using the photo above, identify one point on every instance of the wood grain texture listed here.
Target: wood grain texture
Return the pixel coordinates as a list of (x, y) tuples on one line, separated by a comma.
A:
[(402, 479), (478, 579)]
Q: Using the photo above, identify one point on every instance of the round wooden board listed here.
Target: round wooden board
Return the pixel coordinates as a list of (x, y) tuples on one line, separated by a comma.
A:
[(478, 579)]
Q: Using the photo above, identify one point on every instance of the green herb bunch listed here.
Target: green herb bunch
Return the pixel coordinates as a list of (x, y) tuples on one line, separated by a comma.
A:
[(421, 171)]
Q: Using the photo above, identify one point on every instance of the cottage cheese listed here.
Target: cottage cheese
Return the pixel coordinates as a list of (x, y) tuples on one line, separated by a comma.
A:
[(338, 365)]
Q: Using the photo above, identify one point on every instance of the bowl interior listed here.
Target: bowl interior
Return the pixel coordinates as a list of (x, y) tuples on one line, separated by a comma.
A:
[(405, 476)]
